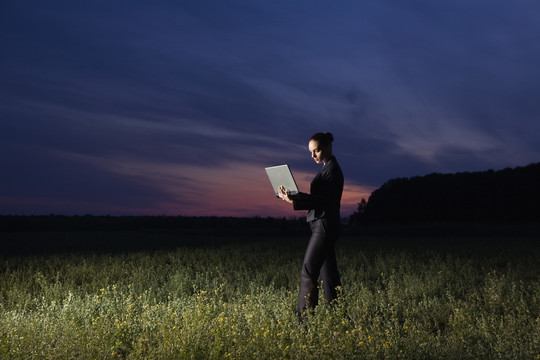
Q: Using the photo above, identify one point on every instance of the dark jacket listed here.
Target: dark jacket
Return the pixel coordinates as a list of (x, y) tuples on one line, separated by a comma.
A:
[(324, 199)]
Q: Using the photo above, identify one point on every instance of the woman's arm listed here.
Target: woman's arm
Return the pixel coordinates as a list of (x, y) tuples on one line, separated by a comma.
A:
[(301, 201)]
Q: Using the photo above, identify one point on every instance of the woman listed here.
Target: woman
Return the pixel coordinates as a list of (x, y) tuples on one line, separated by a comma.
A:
[(322, 203)]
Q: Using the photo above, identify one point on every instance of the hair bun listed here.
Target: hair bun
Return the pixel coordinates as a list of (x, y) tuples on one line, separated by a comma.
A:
[(329, 137), (324, 139)]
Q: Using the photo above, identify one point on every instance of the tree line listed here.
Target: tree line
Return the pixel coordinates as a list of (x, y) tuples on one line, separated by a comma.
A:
[(511, 195), (183, 224)]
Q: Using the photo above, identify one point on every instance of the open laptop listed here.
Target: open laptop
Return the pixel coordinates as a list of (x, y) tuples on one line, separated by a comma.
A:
[(281, 175)]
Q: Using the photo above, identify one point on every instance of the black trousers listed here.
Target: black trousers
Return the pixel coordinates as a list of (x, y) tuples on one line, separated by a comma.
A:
[(319, 260)]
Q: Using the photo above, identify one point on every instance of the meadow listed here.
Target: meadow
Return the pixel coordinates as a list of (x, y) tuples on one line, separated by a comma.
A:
[(229, 298)]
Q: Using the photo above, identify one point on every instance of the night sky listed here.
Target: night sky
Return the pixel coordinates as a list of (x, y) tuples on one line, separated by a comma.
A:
[(176, 107)]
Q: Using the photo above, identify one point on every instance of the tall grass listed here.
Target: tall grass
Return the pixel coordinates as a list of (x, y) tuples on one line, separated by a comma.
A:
[(407, 299)]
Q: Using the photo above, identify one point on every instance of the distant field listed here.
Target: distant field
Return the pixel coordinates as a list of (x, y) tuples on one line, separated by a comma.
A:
[(210, 297)]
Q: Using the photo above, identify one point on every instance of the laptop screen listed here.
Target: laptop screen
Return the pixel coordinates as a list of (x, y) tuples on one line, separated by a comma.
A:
[(281, 175)]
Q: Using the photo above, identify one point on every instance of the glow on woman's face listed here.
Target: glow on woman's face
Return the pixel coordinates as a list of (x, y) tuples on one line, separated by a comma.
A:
[(319, 154)]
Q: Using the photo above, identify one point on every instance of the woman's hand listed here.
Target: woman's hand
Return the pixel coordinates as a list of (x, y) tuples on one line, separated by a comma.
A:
[(284, 194)]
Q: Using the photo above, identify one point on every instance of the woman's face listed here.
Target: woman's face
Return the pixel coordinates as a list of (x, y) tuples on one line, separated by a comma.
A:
[(318, 153)]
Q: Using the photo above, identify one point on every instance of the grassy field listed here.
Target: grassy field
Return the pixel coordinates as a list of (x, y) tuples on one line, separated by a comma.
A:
[(216, 298)]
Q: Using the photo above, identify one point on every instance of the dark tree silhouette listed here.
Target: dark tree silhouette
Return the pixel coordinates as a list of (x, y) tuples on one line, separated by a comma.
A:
[(357, 217), (509, 195)]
